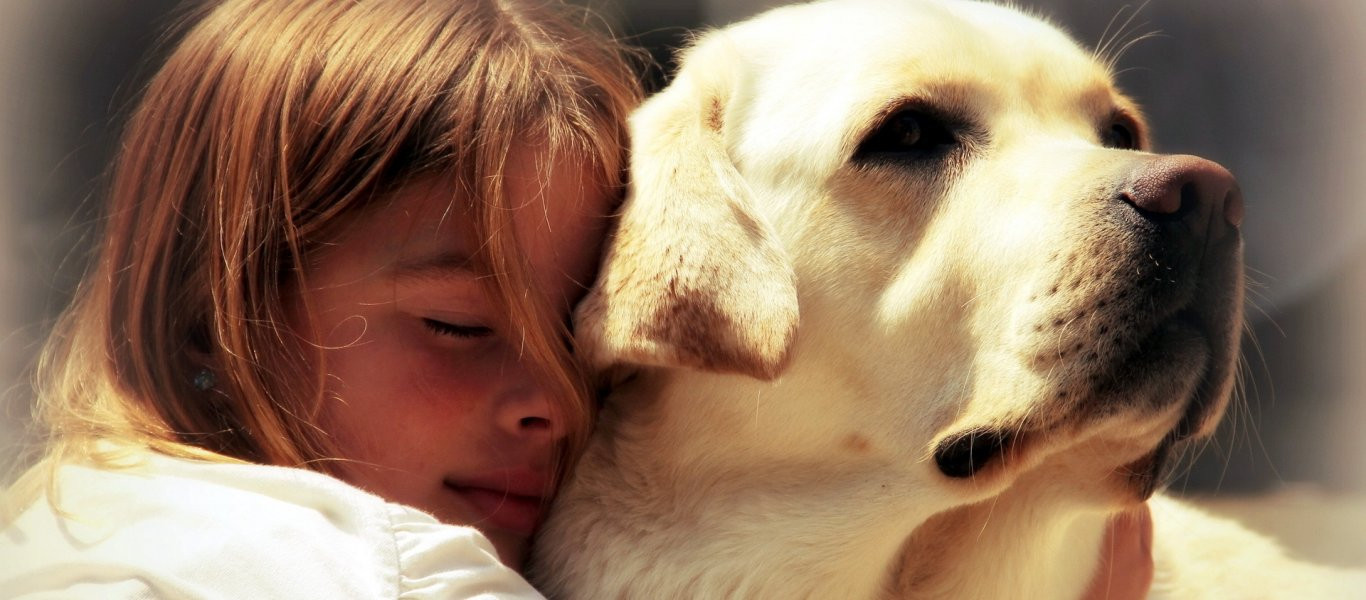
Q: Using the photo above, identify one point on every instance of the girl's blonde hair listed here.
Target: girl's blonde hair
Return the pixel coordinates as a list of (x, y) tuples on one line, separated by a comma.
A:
[(272, 122)]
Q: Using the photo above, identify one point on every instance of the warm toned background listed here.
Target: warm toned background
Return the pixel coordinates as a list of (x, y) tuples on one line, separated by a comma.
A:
[(1273, 90)]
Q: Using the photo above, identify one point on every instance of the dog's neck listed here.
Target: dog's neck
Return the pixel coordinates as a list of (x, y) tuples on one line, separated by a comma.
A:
[(660, 531), (663, 530), (790, 533)]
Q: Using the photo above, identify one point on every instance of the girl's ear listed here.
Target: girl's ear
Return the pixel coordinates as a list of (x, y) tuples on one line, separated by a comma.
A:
[(694, 275)]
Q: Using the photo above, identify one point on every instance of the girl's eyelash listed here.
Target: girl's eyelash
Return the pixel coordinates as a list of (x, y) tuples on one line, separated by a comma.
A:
[(459, 331)]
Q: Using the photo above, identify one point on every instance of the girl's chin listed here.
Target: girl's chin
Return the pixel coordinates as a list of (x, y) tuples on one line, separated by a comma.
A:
[(510, 546)]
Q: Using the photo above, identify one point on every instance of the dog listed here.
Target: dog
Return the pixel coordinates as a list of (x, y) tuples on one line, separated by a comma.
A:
[(900, 304)]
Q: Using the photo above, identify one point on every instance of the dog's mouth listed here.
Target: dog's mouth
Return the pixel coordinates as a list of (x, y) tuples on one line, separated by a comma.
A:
[(973, 452), (1145, 475), (1178, 365), (1170, 386), (984, 452)]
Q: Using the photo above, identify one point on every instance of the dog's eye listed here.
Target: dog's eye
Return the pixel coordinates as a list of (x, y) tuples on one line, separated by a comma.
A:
[(1120, 135), (911, 134)]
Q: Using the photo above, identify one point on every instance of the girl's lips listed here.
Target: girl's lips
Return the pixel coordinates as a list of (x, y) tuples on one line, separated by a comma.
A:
[(502, 509)]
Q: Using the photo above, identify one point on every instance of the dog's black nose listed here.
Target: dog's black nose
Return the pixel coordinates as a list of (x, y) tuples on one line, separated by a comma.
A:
[(1183, 188)]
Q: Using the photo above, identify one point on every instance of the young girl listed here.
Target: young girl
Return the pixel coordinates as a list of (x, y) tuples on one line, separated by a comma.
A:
[(329, 310), (322, 352)]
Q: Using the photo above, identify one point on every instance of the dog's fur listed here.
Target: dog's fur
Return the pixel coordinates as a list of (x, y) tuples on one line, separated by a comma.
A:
[(846, 365)]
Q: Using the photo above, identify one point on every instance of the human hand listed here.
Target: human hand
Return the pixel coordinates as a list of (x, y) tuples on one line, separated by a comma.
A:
[(1126, 560)]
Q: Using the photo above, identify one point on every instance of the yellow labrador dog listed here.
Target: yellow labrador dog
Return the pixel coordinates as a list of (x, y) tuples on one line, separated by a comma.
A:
[(901, 306)]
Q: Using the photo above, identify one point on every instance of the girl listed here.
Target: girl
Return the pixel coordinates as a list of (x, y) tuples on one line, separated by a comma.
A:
[(342, 237)]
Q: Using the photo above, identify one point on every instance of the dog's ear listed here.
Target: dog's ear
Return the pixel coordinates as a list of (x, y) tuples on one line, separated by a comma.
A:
[(693, 275)]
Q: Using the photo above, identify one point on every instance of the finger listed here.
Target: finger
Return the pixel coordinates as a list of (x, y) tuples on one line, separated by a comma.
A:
[(1125, 570)]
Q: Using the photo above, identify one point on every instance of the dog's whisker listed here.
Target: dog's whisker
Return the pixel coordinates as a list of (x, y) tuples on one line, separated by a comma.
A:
[(757, 395), (1105, 42), (1271, 319), (1261, 357), (1187, 459), (1255, 285), (1133, 69), (1110, 50), (987, 521), (1254, 271), (1133, 42), (975, 297), (1251, 429)]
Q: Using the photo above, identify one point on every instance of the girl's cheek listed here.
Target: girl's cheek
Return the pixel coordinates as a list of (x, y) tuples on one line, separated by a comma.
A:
[(464, 375)]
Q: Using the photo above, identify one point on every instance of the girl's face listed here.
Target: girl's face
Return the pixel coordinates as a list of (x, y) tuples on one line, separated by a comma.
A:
[(427, 395)]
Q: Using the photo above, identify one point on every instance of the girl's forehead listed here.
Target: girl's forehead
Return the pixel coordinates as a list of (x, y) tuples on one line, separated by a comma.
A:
[(424, 217), (558, 210), (562, 214)]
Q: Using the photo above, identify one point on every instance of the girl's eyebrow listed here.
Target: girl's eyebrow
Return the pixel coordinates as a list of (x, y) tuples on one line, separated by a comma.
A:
[(440, 266)]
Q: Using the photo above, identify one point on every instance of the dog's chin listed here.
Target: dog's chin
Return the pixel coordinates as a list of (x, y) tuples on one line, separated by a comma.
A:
[(1180, 370), (1172, 389), (1182, 417), (1130, 413)]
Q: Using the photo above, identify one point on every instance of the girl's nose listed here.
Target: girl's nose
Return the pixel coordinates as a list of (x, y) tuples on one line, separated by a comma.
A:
[(527, 413)]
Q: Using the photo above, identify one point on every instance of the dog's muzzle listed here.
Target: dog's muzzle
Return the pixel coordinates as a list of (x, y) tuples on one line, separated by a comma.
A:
[(1138, 313), (1187, 211)]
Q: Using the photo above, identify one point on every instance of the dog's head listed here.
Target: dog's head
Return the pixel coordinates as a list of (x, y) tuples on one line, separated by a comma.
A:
[(936, 230)]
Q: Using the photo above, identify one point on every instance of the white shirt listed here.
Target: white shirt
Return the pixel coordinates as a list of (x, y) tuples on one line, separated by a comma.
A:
[(174, 528)]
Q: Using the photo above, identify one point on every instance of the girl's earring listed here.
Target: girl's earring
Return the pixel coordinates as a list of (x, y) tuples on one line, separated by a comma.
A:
[(204, 380)]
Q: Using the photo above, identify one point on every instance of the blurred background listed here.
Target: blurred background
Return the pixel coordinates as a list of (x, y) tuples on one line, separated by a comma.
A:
[(1272, 90)]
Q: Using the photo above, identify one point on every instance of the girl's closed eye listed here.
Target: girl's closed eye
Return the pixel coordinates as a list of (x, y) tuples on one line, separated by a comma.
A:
[(457, 330)]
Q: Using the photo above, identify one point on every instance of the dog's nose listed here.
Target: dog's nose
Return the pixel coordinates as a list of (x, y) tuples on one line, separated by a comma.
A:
[(1178, 187)]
